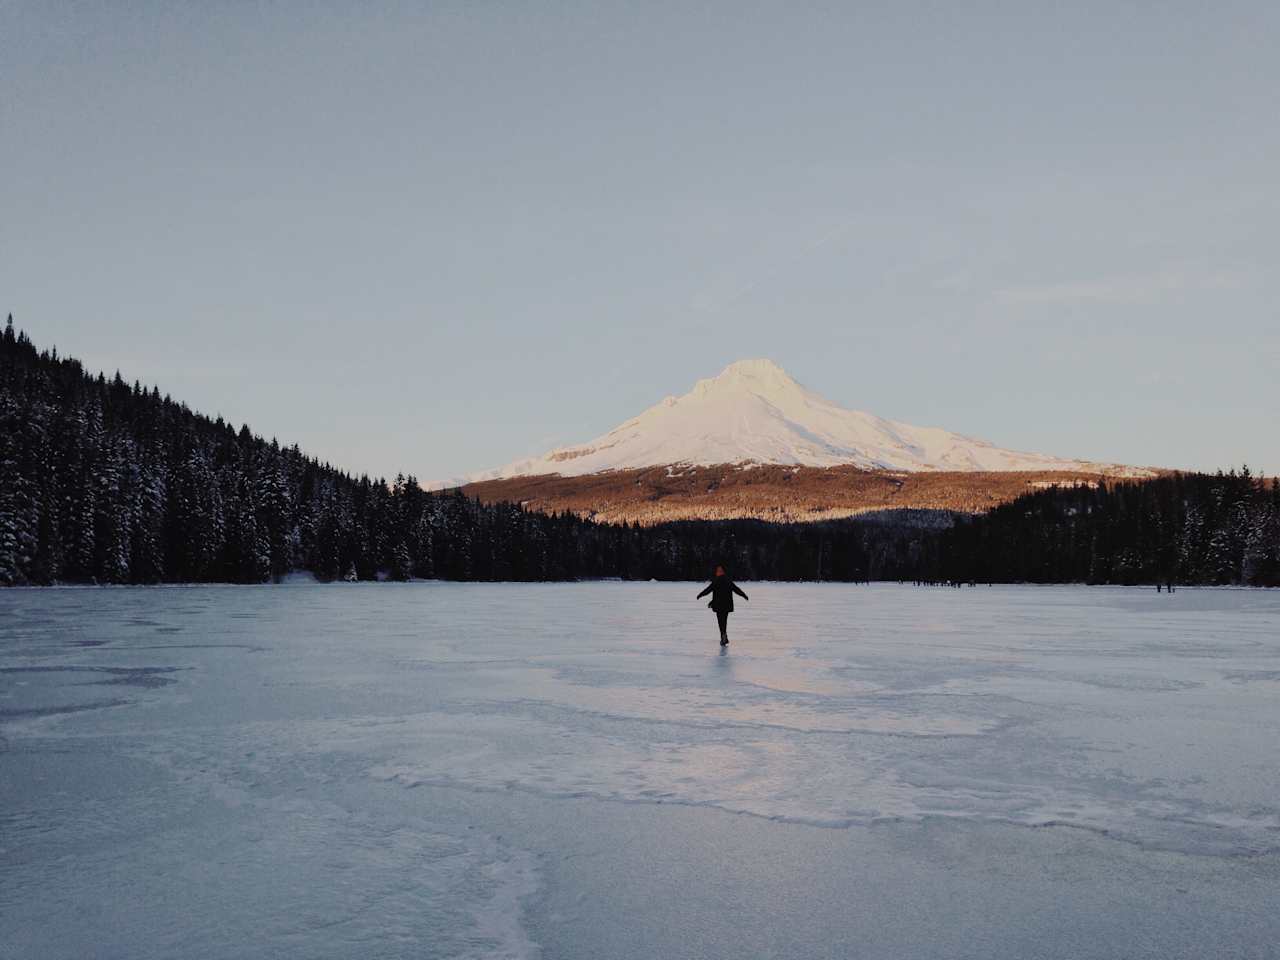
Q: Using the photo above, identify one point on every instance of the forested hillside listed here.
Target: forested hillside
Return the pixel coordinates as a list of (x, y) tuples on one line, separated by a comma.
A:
[(1181, 528), (773, 492), (102, 481)]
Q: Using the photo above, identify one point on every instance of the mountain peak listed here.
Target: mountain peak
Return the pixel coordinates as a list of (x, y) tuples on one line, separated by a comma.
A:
[(760, 376), (759, 367), (753, 411), (759, 371)]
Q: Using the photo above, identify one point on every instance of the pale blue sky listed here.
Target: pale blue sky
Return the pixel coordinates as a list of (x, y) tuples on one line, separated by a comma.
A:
[(435, 237)]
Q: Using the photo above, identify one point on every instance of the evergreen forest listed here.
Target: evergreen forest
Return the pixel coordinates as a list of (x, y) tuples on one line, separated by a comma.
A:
[(103, 481)]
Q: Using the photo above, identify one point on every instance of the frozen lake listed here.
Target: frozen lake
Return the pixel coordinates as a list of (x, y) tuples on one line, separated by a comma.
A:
[(575, 771)]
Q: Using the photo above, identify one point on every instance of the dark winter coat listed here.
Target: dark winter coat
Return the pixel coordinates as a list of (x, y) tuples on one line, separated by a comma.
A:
[(722, 590)]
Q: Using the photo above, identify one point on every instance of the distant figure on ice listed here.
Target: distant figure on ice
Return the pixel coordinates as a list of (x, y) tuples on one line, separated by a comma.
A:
[(722, 590)]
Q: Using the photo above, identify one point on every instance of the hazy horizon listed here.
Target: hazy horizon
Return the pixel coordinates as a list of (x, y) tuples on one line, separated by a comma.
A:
[(438, 240)]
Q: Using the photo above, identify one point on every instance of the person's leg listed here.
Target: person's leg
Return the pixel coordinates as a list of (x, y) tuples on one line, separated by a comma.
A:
[(722, 616)]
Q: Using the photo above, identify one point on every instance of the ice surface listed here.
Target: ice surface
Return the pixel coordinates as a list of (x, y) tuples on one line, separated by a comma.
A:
[(468, 770)]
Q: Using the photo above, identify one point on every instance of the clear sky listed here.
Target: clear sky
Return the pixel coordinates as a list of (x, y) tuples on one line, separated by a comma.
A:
[(436, 237)]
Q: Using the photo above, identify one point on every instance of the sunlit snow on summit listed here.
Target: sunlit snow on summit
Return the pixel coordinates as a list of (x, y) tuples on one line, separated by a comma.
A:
[(755, 412)]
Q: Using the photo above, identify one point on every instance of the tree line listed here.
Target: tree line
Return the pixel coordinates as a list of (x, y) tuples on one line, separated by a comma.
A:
[(1182, 528), (102, 481)]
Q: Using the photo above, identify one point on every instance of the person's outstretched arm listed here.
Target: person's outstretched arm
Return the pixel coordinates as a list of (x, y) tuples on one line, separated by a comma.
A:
[(738, 590), (704, 592)]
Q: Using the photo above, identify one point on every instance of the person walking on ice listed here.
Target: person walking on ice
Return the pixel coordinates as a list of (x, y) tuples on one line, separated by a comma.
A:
[(722, 590)]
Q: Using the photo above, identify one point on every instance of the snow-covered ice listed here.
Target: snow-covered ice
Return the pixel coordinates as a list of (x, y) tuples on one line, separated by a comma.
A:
[(574, 770)]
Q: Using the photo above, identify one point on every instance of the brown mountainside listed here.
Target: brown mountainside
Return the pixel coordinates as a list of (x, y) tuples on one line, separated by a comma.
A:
[(766, 492)]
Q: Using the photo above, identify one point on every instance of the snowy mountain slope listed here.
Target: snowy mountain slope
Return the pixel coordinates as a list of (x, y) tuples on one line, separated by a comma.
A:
[(754, 412)]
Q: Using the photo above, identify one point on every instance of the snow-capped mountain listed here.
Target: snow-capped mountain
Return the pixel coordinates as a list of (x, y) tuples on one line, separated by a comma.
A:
[(754, 412)]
